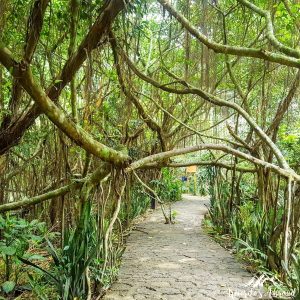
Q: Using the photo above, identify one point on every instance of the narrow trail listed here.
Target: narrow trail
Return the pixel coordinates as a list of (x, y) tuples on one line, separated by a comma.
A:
[(178, 261)]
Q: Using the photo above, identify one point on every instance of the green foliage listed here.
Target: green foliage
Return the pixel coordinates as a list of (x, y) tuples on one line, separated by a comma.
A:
[(294, 274), (202, 180), (69, 265), (290, 142), (18, 235), (248, 223), (78, 266), (8, 286), (285, 21), (251, 227), (174, 215), (168, 187), (139, 202), (219, 201)]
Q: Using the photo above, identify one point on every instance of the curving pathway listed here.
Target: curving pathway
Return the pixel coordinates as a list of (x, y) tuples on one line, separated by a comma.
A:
[(178, 261)]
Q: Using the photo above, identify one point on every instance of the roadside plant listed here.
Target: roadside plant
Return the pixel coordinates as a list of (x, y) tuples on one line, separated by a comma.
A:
[(18, 237), (168, 187), (69, 270), (77, 269), (138, 204), (294, 274)]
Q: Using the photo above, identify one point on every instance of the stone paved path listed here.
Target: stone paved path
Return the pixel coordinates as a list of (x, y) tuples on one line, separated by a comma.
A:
[(178, 261)]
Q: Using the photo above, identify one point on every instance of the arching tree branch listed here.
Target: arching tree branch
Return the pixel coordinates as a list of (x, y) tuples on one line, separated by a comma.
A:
[(181, 151), (93, 179), (56, 115), (226, 49), (216, 101), (11, 135)]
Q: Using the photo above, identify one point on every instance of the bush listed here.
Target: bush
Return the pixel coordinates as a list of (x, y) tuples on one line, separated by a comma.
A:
[(17, 237), (168, 187)]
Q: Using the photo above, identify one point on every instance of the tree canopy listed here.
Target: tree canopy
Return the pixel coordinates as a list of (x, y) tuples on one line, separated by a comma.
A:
[(97, 97)]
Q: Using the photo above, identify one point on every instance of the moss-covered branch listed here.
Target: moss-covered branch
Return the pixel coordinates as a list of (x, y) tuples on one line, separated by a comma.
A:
[(91, 179), (163, 156), (233, 50), (56, 115)]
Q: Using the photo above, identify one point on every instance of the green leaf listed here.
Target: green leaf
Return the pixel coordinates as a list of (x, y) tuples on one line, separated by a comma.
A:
[(7, 250), (36, 257), (27, 262), (8, 286)]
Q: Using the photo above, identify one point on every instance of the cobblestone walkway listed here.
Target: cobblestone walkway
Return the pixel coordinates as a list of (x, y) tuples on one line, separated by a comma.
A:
[(178, 261)]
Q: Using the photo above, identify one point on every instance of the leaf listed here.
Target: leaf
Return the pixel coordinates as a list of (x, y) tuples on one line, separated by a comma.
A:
[(53, 253), (34, 222), (27, 262), (7, 250), (8, 286), (36, 257), (36, 238)]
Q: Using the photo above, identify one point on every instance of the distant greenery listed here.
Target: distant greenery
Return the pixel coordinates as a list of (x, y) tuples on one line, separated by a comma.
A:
[(139, 202), (169, 186)]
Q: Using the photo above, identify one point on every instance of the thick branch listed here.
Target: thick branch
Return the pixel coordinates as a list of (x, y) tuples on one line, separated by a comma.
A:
[(233, 50), (270, 30), (35, 24), (57, 116), (40, 198), (94, 178), (176, 152), (216, 101), (13, 133)]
